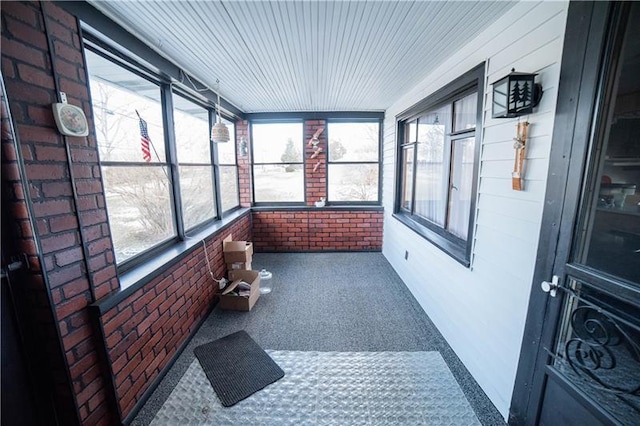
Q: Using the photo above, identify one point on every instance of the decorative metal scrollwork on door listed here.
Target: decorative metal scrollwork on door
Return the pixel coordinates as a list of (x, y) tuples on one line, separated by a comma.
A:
[(598, 349), (602, 348)]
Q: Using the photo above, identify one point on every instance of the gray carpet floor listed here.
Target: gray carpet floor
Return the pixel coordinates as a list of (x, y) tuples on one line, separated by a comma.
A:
[(345, 302)]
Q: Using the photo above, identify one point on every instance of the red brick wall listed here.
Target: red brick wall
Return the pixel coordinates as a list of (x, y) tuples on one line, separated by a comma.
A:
[(144, 331), (28, 73), (281, 231), (317, 230), (29, 292), (65, 282)]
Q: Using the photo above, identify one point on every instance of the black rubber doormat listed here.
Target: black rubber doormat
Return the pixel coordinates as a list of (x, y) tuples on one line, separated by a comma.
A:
[(237, 367)]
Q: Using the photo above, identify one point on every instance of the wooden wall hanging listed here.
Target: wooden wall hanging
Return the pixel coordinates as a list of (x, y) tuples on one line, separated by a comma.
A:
[(517, 177), (314, 142)]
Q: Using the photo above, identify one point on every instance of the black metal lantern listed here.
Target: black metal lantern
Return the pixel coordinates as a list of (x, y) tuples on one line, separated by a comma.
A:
[(515, 94)]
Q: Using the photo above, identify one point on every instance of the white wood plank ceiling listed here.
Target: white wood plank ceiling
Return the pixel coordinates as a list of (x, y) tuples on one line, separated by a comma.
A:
[(275, 56)]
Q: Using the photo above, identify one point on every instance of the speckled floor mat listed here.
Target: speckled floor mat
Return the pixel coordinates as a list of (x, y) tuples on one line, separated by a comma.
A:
[(237, 367), (331, 388)]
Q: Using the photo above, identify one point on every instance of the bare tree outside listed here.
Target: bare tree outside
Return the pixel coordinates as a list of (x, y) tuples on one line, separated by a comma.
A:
[(291, 154), (336, 150), (137, 194), (107, 121), (139, 204)]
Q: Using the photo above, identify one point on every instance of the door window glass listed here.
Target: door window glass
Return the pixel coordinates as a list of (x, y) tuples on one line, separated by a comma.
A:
[(612, 230)]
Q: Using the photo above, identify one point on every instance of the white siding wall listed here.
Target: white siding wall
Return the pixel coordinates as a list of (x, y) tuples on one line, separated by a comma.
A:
[(481, 310)]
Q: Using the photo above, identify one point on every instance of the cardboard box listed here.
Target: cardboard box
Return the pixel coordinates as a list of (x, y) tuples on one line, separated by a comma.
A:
[(237, 251), (238, 265), (238, 274), (239, 303)]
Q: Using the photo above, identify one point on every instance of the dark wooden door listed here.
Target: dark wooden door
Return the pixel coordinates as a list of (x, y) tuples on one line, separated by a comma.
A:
[(580, 360)]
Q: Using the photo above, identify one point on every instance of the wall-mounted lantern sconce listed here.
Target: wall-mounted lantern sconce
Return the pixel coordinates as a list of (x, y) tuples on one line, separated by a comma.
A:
[(515, 94), (243, 147)]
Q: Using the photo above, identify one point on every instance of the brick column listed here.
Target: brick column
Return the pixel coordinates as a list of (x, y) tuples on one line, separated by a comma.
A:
[(244, 164), (56, 217), (93, 380), (316, 180), (29, 291)]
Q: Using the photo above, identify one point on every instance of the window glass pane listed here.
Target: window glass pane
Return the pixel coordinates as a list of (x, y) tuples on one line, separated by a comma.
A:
[(407, 177), (353, 182), (139, 207), (196, 191), (410, 132), (462, 157), (229, 187), (191, 123), (353, 141), (278, 183), (116, 95), (612, 241), (227, 151), (465, 112), (277, 142), (431, 171)]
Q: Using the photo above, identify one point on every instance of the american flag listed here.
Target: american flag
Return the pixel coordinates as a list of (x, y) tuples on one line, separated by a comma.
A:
[(145, 141)]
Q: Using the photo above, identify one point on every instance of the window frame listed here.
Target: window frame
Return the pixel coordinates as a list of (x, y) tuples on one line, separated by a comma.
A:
[(217, 166), (163, 85), (468, 83), (167, 89), (303, 163), (214, 177), (328, 162)]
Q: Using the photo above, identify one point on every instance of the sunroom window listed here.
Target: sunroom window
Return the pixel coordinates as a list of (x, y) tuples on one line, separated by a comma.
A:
[(138, 192), (278, 164), (438, 149), (228, 165), (193, 147), (353, 170), (156, 158)]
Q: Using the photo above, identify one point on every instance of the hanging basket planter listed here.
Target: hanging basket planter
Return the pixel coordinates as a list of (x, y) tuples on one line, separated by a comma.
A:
[(220, 133)]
